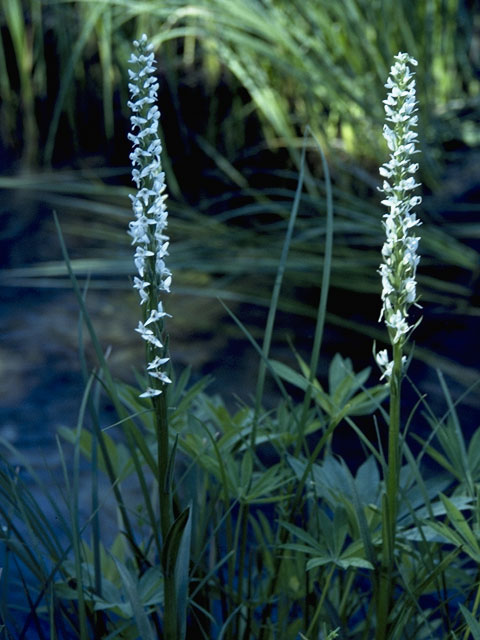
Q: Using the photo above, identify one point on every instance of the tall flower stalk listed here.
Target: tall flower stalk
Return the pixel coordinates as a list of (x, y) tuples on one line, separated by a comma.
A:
[(398, 273), (148, 227), (148, 232)]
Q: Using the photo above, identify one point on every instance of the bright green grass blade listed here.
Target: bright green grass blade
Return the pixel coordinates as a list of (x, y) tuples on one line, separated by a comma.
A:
[(267, 339), (327, 267), (67, 78), (105, 42), (22, 46), (93, 407), (322, 306)]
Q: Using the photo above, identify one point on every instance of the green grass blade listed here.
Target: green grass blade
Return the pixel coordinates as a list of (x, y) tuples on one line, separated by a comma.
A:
[(267, 339), (67, 77), (473, 624), (131, 589)]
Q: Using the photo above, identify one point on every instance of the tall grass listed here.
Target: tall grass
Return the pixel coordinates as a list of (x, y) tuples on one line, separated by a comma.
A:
[(302, 63), (298, 64)]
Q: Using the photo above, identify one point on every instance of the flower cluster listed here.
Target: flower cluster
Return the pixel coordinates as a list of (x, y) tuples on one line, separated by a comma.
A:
[(400, 259), (148, 228)]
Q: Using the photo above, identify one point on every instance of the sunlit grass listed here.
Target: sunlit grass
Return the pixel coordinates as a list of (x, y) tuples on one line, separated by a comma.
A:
[(321, 65)]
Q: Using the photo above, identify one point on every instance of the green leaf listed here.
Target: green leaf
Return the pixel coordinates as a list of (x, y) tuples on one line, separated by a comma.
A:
[(170, 467), (339, 368), (472, 623), (301, 548), (289, 375), (151, 587), (446, 533), (175, 561), (130, 585), (120, 459), (266, 484), (367, 481), (366, 402), (319, 561), (246, 471), (305, 537), (343, 563), (474, 454), (461, 525), (182, 565), (173, 541), (347, 384), (438, 457)]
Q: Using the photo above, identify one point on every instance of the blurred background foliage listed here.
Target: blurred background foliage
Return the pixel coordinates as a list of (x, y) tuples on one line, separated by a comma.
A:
[(321, 64), (240, 81)]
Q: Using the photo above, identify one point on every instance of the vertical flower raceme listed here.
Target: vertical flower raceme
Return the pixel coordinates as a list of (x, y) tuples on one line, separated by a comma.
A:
[(400, 259), (148, 228)]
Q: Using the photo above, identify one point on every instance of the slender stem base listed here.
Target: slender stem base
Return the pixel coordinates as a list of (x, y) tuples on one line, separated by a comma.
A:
[(170, 630), (385, 583)]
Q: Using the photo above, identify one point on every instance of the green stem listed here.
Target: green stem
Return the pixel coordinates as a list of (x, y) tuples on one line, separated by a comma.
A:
[(165, 498), (319, 607), (322, 304), (474, 612), (243, 522), (296, 490), (166, 512), (272, 311), (390, 500)]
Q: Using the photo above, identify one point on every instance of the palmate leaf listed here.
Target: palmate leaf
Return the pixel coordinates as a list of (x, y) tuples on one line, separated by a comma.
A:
[(439, 457), (340, 402), (342, 381), (114, 597), (452, 452), (433, 531), (460, 534), (461, 525), (266, 485), (328, 549), (132, 591), (120, 458), (343, 561), (333, 482), (311, 545), (259, 487)]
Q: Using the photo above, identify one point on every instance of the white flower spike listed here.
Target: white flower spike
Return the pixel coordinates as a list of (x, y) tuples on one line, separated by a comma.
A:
[(148, 228), (400, 260)]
